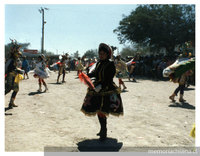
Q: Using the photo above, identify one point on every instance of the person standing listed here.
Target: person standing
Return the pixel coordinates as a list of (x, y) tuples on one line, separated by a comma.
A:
[(131, 68), (79, 65), (105, 98), (61, 69), (25, 67)]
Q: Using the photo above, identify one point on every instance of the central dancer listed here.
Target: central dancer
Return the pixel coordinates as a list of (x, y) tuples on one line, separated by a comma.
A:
[(105, 98)]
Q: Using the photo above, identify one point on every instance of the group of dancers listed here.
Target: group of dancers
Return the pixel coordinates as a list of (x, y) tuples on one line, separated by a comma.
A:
[(103, 95)]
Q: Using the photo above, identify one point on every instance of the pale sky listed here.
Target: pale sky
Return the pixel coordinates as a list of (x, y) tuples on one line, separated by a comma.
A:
[(69, 27)]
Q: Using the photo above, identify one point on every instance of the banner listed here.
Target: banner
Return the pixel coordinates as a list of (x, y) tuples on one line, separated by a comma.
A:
[(31, 51)]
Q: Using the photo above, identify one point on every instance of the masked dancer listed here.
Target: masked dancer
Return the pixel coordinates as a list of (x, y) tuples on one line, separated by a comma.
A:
[(13, 74)]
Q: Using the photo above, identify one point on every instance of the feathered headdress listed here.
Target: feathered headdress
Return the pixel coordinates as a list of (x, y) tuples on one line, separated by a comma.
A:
[(14, 48)]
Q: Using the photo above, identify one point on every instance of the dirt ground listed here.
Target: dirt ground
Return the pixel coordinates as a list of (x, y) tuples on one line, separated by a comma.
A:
[(52, 121)]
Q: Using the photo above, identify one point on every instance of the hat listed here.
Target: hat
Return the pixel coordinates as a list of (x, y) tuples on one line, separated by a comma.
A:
[(106, 48)]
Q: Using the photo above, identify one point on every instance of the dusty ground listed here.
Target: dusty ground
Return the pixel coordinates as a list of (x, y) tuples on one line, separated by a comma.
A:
[(54, 119)]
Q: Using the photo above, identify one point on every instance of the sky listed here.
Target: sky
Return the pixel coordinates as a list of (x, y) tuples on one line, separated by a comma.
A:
[(69, 27)]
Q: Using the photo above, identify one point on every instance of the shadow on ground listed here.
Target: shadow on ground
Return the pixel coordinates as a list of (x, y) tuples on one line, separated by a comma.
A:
[(124, 91), (110, 144), (187, 89), (34, 93), (8, 114), (56, 83), (182, 105)]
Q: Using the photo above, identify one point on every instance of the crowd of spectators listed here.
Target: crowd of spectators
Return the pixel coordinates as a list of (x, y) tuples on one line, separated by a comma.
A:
[(152, 66), (147, 66)]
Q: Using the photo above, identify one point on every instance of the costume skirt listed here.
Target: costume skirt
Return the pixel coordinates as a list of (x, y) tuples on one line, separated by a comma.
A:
[(10, 83), (41, 73), (106, 104)]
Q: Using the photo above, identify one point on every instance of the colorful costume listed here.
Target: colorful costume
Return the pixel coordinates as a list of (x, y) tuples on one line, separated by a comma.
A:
[(41, 72), (121, 72), (13, 74), (61, 69), (179, 67), (79, 66), (121, 69), (131, 66), (178, 73)]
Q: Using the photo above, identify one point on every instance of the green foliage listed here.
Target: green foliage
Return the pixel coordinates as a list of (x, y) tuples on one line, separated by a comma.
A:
[(91, 53), (76, 54), (158, 26), (127, 51)]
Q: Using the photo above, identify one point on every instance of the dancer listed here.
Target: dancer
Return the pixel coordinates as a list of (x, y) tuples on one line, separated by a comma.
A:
[(25, 67), (105, 98), (178, 73), (181, 81), (122, 71), (68, 62), (79, 66), (61, 70), (131, 66), (41, 73), (13, 74)]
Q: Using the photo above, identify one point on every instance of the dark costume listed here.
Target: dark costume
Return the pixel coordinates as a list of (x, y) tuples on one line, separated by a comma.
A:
[(107, 100), (12, 73)]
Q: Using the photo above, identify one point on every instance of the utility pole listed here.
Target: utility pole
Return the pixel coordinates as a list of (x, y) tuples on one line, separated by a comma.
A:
[(41, 10), (117, 51)]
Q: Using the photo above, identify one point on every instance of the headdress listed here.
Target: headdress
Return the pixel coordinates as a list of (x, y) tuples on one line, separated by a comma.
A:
[(186, 49), (14, 48)]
